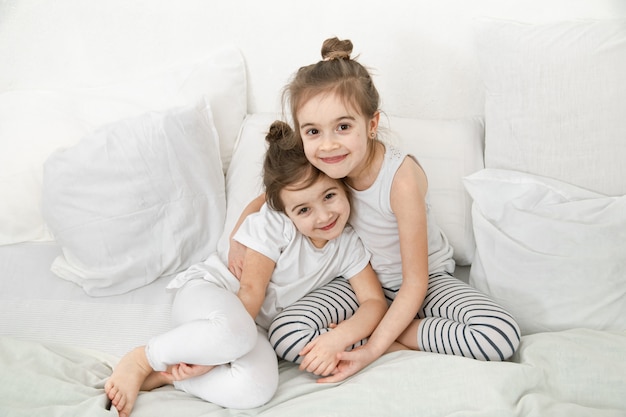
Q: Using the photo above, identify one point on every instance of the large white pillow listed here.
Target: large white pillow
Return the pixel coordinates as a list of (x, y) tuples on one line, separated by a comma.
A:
[(137, 199), (556, 99), (447, 149), (552, 253), (33, 123)]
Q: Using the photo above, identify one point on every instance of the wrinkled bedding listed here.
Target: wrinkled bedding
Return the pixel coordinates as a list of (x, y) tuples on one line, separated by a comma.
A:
[(552, 374), (77, 65)]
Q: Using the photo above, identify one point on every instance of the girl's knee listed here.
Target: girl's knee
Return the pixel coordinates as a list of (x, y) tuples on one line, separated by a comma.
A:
[(498, 343), (288, 339)]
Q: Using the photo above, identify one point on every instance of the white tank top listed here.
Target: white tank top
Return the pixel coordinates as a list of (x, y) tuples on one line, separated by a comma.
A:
[(376, 224)]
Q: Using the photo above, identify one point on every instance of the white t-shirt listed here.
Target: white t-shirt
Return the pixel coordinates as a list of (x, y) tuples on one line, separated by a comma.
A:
[(300, 266)]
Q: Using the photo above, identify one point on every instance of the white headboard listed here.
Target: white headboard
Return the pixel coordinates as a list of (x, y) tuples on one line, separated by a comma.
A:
[(421, 51)]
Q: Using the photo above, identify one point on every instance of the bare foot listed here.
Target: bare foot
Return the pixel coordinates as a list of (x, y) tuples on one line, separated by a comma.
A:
[(128, 376), (157, 379)]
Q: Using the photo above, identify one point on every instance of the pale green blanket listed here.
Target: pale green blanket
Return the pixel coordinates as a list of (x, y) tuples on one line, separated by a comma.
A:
[(571, 373)]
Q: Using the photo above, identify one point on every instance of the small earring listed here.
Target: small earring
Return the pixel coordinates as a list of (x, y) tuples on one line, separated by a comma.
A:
[(373, 135)]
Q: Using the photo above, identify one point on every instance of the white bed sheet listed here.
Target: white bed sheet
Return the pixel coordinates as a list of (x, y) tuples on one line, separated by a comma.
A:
[(37, 305), (46, 324), (574, 373)]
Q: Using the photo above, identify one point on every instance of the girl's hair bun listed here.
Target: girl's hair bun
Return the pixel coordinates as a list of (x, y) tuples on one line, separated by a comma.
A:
[(334, 48), (278, 131)]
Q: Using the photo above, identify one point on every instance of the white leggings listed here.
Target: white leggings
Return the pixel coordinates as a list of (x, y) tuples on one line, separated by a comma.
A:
[(212, 327), (456, 319)]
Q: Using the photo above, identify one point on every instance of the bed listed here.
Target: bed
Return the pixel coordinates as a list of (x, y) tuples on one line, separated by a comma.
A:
[(131, 137)]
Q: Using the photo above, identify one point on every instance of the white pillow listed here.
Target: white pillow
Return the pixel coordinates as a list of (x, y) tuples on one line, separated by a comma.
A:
[(556, 99), (552, 253), (244, 180), (447, 149), (33, 123), (135, 200)]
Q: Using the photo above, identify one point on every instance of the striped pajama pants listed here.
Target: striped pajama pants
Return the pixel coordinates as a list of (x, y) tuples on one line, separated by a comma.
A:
[(456, 320)]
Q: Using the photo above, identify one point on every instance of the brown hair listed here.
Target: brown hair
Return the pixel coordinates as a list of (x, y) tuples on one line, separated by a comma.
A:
[(335, 73), (285, 165)]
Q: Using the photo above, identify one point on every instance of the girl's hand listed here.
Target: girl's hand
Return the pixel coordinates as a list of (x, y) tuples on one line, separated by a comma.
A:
[(320, 356), (237, 251), (184, 371), (236, 254), (350, 363)]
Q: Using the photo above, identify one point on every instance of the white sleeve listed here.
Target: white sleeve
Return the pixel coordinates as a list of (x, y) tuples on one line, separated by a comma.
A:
[(267, 232)]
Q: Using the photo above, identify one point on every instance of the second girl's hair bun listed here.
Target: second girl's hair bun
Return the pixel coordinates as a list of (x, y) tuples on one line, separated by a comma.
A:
[(334, 48), (278, 131)]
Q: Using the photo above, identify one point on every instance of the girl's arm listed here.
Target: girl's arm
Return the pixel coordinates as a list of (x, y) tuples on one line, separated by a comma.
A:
[(408, 194), (236, 250), (320, 355), (257, 272)]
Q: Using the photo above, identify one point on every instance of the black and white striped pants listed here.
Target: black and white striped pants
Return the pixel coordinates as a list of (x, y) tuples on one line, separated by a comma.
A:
[(456, 319)]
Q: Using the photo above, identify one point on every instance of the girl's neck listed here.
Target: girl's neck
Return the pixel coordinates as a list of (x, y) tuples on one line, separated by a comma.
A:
[(363, 177)]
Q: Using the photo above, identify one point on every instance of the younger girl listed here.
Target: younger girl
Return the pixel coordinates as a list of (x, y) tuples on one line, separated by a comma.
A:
[(335, 109), (297, 243)]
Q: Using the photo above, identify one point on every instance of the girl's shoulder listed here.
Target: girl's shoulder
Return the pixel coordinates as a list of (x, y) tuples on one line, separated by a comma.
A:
[(394, 153), (269, 223), (409, 177), (398, 157)]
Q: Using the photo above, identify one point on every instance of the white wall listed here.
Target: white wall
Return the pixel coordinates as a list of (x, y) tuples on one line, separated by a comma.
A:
[(421, 50)]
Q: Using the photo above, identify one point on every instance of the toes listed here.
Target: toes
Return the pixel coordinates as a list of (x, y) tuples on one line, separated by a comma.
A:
[(111, 392), (108, 386), (119, 402), (123, 411)]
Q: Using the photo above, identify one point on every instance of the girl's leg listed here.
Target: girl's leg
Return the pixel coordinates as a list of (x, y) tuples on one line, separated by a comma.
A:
[(459, 320), (310, 317), (211, 327), (126, 380), (247, 382)]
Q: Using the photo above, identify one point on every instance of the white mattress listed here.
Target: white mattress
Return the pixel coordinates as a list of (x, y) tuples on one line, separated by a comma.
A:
[(37, 305)]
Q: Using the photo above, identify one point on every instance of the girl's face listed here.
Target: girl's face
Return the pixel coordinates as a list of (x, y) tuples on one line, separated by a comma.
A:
[(335, 137), (320, 211)]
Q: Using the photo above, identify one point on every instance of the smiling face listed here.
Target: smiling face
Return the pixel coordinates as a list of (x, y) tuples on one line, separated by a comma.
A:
[(319, 211), (336, 138)]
